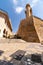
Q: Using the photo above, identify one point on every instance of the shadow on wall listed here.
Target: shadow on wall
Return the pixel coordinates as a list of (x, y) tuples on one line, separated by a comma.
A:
[(17, 37)]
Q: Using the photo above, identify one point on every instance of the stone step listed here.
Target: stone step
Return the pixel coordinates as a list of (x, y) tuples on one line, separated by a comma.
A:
[(11, 41)]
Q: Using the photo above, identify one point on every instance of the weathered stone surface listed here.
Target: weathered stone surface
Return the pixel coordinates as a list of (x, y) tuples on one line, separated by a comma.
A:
[(31, 28), (27, 29), (38, 23), (14, 45)]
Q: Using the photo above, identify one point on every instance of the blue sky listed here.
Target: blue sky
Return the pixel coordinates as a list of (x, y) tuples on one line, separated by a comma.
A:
[(15, 9)]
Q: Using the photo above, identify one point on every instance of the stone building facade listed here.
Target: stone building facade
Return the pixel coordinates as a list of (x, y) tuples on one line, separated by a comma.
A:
[(5, 25), (30, 28)]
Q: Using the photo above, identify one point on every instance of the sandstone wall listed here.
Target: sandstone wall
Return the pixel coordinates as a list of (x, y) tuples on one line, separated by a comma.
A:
[(38, 23), (27, 30)]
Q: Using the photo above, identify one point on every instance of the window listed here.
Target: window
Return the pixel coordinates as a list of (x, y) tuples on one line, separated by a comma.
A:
[(0, 30), (4, 31), (31, 11)]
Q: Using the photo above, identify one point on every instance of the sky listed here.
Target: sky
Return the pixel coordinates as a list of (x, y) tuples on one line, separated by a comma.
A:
[(16, 8)]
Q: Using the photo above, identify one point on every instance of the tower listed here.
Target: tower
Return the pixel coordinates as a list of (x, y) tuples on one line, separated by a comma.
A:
[(27, 29)]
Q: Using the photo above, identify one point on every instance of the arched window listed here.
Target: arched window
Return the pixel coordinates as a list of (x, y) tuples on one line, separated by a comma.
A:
[(31, 10), (0, 30), (4, 31)]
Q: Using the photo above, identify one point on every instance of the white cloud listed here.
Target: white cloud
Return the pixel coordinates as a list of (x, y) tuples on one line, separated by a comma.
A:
[(19, 10), (34, 2), (15, 2)]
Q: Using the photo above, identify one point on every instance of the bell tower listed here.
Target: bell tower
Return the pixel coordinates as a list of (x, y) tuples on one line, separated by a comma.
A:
[(28, 11)]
